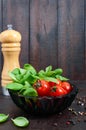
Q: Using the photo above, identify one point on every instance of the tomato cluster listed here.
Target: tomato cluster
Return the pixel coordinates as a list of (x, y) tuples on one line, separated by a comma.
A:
[(45, 88)]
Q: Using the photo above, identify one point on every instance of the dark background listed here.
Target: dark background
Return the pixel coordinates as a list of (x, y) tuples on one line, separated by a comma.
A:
[(53, 33)]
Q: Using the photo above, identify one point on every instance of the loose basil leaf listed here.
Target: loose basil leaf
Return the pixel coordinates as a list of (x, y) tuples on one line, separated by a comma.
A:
[(3, 117), (61, 78), (30, 92), (20, 121), (14, 86)]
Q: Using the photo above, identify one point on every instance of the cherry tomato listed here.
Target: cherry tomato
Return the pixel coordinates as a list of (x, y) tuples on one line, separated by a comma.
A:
[(59, 82), (57, 91), (42, 87), (66, 86), (54, 84)]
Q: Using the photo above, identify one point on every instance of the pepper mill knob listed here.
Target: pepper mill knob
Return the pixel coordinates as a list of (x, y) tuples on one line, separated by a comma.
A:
[(10, 42), (10, 36)]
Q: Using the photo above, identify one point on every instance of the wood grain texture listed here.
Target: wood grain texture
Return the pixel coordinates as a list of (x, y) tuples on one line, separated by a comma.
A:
[(16, 12), (53, 33), (71, 38), (43, 33)]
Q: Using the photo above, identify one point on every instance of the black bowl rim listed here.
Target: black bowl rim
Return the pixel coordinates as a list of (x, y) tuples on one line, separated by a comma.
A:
[(74, 91)]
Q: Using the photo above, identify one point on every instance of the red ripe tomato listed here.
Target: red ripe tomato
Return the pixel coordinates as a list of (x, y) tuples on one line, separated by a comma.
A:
[(57, 91), (42, 87), (66, 86), (59, 82), (54, 84)]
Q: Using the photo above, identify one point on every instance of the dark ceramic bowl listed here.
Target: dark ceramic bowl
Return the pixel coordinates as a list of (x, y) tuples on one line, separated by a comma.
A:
[(44, 105)]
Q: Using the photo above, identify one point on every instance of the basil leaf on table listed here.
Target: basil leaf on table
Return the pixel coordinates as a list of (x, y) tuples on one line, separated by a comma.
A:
[(3, 117), (20, 121)]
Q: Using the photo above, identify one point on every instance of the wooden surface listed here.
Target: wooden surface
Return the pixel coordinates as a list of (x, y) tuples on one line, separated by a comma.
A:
[(53, 32), (52, 122)]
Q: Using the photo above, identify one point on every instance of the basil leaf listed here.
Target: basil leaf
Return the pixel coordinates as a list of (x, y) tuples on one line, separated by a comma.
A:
[(30, 92), (14, 86), (3, 117), (58, 71), (27, 84), (29, 78), (19, 77), (41, 73), (16, 71), (30, 68), (25, 77), (49, 68), (61, 78), (50, 79), (13, 77), (20, 121), (22, 71)]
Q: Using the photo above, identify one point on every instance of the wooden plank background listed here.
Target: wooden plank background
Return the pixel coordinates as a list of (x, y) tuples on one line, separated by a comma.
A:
[(53, 33)]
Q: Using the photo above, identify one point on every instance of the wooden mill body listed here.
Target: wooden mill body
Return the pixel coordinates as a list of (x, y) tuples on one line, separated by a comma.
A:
[(10, 43)]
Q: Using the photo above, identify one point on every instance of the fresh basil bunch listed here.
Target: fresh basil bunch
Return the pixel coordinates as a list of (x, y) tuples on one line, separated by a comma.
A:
[(24, 78)]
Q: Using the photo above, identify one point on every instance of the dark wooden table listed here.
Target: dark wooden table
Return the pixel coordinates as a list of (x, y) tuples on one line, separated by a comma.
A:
[(72, 119)]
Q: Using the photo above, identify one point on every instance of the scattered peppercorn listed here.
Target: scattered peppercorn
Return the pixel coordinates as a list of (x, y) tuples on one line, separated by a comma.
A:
[(55, 124), (68, 123)]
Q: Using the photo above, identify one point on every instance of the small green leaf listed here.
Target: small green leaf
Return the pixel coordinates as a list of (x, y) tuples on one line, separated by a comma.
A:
[(27, 84), (3, 117), (30, 92), (20, 121), (22, 71), (13, 77), (41, 73), (50, 79), (25, 77), (49, 68), (61, 78), (30, 68), (16, 71), (58, 71), (14, 86)]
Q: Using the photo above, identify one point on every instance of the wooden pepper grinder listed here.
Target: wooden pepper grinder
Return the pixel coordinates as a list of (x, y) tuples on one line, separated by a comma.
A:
[(10, 40)]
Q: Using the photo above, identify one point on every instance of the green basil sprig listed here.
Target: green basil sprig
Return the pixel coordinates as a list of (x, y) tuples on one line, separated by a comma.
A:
[(24, 78)]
